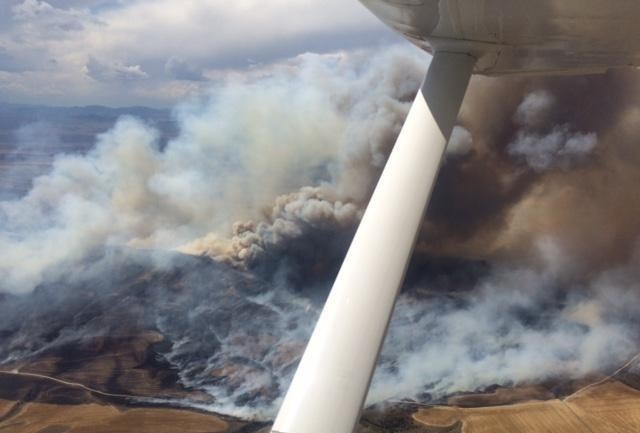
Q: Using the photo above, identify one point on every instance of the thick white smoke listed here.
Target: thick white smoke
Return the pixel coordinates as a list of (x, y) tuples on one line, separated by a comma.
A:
[(517, 326), (238, 149), (543, 147)]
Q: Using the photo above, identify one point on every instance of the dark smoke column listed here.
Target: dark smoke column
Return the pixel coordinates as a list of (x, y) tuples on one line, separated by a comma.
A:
[(492, 38)]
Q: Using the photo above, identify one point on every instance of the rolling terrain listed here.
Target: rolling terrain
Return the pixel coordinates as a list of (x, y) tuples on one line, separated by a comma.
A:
[(133, 355), (610, 407), (148, 341)]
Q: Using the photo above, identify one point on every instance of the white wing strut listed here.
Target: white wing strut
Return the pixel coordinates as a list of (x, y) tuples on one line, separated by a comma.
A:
[(332, 381)]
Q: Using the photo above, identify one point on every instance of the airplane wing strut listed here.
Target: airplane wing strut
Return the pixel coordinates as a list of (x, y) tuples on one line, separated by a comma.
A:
[(332, 380)]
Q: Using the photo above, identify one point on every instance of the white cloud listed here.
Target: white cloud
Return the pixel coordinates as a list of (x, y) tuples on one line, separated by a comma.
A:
[(114, 71), (180, 69), (30, 9), (58, 42), (39, 19)]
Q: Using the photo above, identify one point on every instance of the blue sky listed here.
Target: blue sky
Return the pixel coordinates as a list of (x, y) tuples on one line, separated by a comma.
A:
[(156, 52)]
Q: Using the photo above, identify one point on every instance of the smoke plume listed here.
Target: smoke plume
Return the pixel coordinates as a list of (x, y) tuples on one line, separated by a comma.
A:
[(535, 207)]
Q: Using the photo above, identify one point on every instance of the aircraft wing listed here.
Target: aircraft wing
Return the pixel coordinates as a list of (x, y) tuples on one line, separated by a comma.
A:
[(521, 36)]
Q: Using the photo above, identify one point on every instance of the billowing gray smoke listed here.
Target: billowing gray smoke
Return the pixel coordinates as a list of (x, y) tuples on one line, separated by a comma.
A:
[(319, 120), (270, 174)]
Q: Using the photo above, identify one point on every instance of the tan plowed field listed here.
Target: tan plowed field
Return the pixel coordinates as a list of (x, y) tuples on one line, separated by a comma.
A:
[(95, 418), (610, 407)]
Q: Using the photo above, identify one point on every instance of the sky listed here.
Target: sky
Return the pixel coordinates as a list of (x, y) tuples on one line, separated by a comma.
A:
[(157, 52)]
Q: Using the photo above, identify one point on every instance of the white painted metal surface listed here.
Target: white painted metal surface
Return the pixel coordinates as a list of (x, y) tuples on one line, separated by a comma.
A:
[(331, 383), (516, 36)]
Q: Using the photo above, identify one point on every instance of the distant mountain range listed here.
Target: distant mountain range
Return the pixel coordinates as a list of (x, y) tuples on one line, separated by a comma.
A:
[(31, 135), (77, 124)]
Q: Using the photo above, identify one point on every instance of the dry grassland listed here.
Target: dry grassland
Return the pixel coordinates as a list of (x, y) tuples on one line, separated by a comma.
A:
[(610, 407), (94, 418)]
